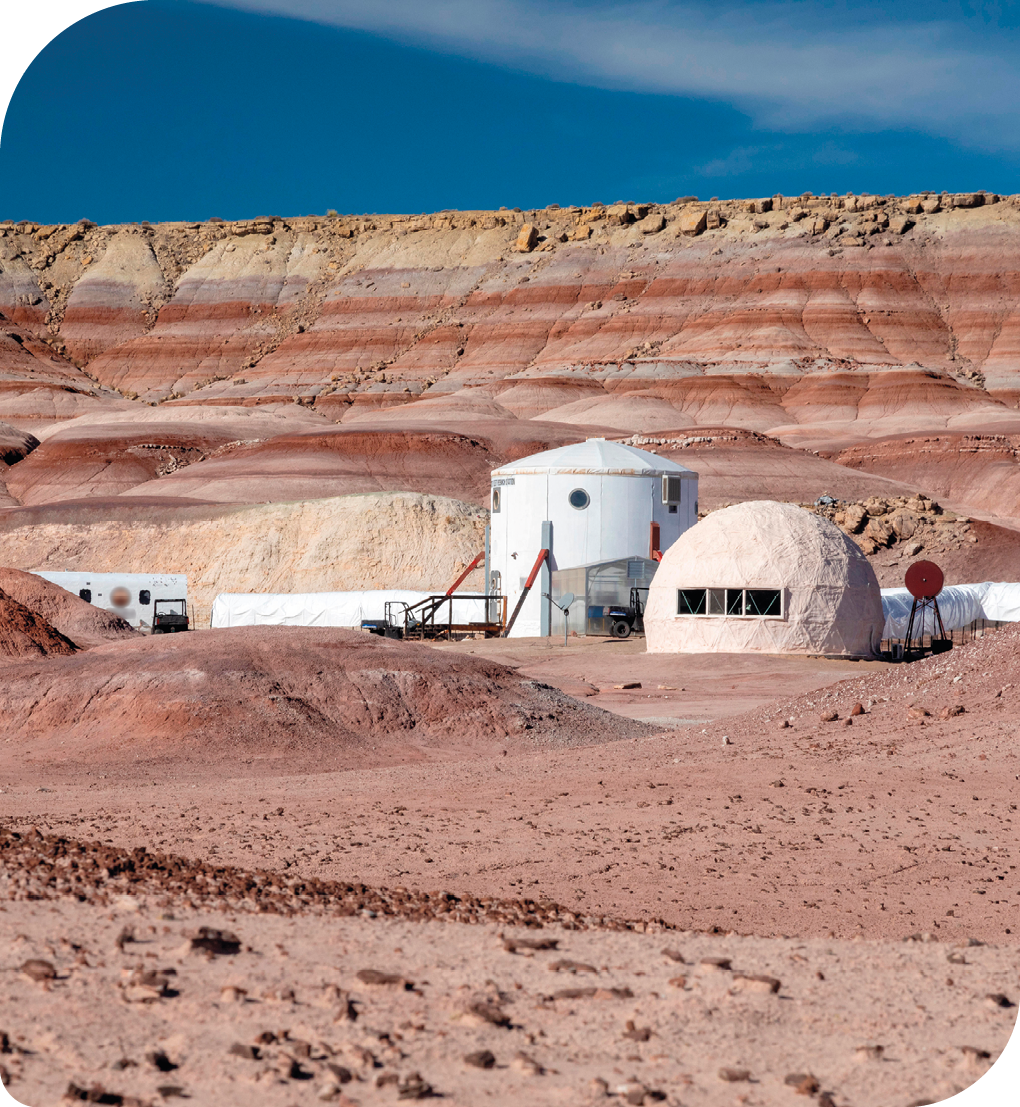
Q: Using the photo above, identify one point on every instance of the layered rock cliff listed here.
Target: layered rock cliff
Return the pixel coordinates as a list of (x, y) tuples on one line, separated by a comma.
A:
[(825, 322), (772, 307)]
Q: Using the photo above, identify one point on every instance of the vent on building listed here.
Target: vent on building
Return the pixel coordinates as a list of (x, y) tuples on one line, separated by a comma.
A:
[(671, 489)]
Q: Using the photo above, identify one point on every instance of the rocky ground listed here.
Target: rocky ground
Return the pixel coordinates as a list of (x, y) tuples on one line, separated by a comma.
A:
[(792, 855), (729, 903), (360, 1010)]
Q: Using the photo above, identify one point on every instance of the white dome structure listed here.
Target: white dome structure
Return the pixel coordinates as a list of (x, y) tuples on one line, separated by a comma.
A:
[(767, 577), (590, 502)]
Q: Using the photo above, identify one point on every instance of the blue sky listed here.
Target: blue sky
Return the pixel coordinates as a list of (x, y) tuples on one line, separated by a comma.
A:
[(178, 109)]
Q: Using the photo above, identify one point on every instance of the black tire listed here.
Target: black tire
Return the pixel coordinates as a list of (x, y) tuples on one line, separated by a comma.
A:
[(621, 629)]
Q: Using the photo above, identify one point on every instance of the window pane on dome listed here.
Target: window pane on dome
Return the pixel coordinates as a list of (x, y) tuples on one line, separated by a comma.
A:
[(735, 601), (763, 601), (717, 601), (690, 601), (579, 499)]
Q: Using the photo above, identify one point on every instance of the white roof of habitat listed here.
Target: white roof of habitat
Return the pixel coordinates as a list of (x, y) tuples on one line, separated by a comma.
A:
[(595, 455)]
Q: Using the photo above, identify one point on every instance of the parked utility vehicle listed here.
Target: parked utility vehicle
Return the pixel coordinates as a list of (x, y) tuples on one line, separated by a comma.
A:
[(170, 616)]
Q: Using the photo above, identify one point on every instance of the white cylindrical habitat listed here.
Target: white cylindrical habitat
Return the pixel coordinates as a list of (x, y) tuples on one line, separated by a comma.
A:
[(601, 499)]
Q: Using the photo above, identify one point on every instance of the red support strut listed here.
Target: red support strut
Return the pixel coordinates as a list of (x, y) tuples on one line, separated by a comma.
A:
[(463, 576), (542, 555)]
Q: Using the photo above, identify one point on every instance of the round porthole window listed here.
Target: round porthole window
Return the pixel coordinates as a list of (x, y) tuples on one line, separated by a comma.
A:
[(495, 499), (579, 499)]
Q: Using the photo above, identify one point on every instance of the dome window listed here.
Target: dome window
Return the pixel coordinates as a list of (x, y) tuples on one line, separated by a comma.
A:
[(579, 499), (747, 603)]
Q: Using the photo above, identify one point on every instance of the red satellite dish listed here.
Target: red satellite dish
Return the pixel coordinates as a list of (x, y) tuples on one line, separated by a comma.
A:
[(924, 580)]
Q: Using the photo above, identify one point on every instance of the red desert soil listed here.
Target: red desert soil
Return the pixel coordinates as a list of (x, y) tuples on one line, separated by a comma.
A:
[(67, 613), (374, 1010), (795, 831), (23, 633), (290, 699), (866, 829)]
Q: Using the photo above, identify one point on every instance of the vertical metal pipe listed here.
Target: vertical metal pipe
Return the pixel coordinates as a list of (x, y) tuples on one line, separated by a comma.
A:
[(545, 582)]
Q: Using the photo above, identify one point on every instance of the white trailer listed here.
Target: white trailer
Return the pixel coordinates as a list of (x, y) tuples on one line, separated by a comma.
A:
[(129, 595)]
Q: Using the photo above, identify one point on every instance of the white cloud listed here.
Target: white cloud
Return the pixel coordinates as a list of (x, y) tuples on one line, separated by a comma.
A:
[(928, 76)]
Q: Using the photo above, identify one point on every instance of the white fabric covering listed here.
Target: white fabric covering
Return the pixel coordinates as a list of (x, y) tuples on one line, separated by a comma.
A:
[(325, 609), (832, 601), (959, 606)]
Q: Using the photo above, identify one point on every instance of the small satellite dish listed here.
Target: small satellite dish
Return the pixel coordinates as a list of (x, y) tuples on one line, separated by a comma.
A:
[(924, 580), (565, 601)]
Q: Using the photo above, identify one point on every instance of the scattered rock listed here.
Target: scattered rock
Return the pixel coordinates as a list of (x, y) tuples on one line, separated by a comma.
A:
[(40, 971), (593, 993), (513, 945), (481, 1059), (747, 983), (571, 966), (215, 942), (247, 1052), (803, 1083), (829, 716), (159, 1060), (869, 1053), (674, 955), (950, 711), (527, 1064), (997, 1000), (715, 964), (635, 1033), (527, 240), (96, 1093), (857, 709), (651, 224), (734, 1076), (483, 1013), (414, 1087), (147, 985), (692, 222), (917, 712), (378, 978), (633, 1091)]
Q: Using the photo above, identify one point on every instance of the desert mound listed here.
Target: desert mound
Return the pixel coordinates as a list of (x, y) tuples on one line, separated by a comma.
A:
[(979, 472), (23, 633), (287, 698), (67, 613), (734, 465), (378, 540), (15, 444)]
